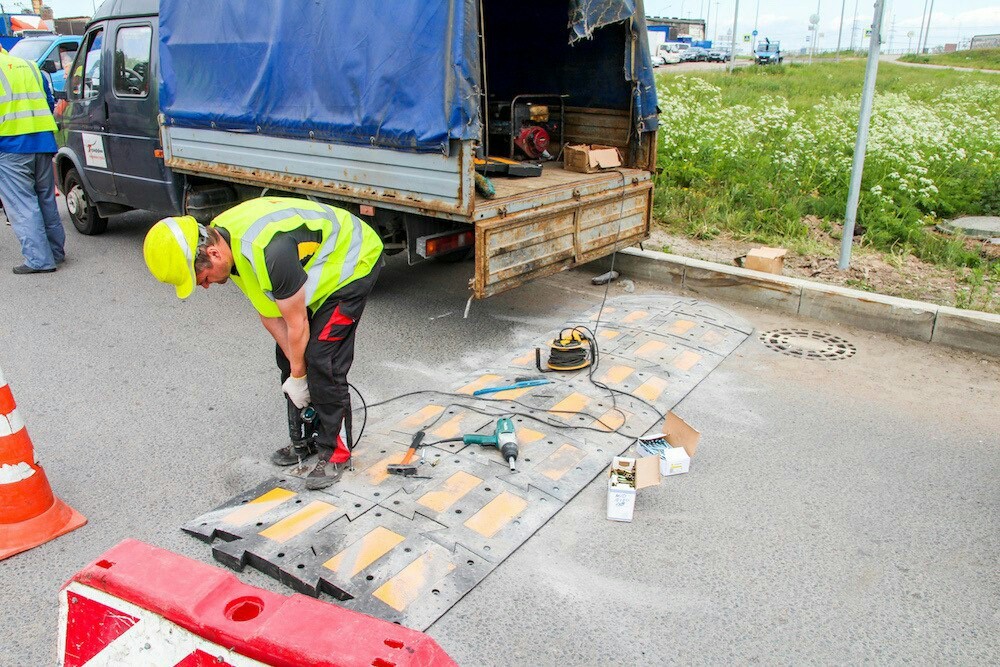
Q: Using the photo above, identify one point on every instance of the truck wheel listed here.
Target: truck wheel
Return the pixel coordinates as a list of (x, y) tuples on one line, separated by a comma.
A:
[(84, 215)]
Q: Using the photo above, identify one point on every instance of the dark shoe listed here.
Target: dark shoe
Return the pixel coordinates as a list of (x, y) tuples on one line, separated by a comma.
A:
[(323, 475), (24, 269), (292, 454)]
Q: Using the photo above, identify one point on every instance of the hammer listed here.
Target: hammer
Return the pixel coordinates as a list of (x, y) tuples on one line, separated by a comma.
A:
[(406, 467)]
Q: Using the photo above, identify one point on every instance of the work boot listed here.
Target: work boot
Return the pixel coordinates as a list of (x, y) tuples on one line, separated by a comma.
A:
[(293, 453), (324, 474)]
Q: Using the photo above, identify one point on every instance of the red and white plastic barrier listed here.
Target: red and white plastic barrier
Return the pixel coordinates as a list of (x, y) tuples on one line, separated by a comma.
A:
[(141, 605)]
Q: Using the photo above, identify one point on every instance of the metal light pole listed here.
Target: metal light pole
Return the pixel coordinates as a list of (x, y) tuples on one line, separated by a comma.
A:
[(814, 27), (840, 31), (854, 24), (923, 20), (861, 143), (732, 52), (927, 32), (717, 3)]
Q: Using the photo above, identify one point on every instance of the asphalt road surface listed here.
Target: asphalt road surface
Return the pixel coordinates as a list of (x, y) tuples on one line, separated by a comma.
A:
[(836, 512)]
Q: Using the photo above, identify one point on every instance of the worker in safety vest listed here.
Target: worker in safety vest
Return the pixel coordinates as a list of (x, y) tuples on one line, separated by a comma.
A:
[(27, 184), (308, 269)]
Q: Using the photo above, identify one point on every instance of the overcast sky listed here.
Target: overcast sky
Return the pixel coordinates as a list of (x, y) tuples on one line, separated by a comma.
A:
[(952, 20)]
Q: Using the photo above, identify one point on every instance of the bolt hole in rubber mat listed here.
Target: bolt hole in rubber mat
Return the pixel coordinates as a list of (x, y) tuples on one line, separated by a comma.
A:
[(405, 549), (807, 344)]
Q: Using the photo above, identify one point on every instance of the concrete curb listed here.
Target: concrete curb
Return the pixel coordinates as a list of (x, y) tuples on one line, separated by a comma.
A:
[(967, 329)]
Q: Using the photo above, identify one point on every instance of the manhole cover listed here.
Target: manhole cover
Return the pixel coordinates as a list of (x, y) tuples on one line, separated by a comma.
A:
[(808, 344)]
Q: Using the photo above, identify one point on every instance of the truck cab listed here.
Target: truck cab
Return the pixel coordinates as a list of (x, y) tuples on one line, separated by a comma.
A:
[(52, 53), (109, 160)]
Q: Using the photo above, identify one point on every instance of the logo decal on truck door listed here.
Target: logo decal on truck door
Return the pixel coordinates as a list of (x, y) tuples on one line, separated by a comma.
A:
[(93, 150)]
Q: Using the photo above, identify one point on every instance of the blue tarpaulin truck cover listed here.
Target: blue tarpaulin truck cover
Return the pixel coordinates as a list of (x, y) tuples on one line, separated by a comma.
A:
[(403, 74)]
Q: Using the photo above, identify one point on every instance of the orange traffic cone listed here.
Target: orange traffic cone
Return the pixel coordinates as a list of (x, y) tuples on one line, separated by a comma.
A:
[(29, 514)]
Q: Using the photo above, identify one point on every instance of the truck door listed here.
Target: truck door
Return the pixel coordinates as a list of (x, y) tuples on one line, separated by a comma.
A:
[(86, 117), (141, 178)]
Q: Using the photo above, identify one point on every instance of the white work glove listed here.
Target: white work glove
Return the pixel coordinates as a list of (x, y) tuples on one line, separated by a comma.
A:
[(297, 390)]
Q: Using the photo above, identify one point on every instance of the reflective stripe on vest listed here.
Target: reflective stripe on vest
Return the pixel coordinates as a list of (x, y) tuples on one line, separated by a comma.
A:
[(21, 105), (347, 248), (315, 271)]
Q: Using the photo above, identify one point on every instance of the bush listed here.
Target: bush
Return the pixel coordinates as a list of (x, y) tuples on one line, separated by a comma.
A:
[(761, 160)]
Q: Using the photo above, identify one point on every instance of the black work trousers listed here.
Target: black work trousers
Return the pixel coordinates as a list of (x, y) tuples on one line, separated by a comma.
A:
[(329, 355)]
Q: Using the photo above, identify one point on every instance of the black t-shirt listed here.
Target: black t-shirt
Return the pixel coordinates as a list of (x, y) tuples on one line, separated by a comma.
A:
[(285, 256)]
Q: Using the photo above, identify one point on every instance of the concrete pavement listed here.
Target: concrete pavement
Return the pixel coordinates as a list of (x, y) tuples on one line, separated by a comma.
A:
[(835, 512)]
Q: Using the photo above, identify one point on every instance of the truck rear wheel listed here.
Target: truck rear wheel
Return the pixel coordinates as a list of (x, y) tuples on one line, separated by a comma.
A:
[(84, 214)]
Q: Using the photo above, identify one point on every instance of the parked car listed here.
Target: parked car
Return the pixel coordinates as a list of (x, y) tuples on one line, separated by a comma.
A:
[(768, 53), (719, 56), (666, 56), (670, 57), (52, 53), (694, 54)]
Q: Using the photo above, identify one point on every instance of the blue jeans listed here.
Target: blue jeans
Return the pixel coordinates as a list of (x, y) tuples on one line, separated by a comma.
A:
[(27, 188)]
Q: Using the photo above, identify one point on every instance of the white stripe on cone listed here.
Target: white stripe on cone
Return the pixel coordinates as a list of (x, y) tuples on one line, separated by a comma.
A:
[(10, 424), (153, 640)]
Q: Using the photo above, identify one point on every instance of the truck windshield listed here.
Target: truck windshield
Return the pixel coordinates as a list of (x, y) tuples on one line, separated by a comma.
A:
[(31, 49), (764, 46)]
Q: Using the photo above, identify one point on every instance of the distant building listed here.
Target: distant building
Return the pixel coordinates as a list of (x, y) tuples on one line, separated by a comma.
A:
[(677, 29), (985, 42), (71, 25)]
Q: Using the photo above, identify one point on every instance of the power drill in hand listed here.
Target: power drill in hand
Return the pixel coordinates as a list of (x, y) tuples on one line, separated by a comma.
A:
[(503, 438)]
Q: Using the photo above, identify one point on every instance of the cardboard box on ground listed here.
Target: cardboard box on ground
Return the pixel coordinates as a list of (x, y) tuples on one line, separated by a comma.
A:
[(768, 260), (661, 455), (589, 159)]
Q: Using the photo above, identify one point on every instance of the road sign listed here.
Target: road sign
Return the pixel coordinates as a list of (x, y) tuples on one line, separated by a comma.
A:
[(868, 32), (754, 33), (746, 38)]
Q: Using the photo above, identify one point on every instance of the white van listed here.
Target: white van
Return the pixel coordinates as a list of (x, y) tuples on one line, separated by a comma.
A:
[(668, 54)]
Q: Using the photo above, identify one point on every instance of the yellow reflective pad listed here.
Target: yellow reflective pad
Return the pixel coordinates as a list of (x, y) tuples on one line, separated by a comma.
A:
[(294, 524), (364, 552), (414, 580), (450, 492), (257, 507), (496, 514)]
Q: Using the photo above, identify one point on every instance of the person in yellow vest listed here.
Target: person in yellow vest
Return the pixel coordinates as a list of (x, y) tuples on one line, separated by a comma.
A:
[(308, 269), (27, 184)]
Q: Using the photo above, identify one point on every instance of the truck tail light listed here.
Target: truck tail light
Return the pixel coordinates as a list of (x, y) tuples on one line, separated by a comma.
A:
[(439, 244)]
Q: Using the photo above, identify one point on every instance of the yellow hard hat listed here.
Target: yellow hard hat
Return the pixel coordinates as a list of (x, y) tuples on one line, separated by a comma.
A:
[(169, 250)]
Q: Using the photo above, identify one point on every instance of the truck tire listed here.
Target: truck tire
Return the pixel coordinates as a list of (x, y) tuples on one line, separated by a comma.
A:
[(84, 215)]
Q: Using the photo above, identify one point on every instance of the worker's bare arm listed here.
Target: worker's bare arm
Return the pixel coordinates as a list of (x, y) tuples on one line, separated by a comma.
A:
[(278, 329), (295, 319)]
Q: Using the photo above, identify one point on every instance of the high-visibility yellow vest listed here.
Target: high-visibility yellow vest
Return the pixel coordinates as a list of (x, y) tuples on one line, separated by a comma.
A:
[(23, 107), (348, 250)]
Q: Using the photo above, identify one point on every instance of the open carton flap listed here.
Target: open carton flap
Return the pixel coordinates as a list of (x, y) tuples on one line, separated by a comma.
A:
[(604, 157), (768, 253), (647, 472), (681, 434)]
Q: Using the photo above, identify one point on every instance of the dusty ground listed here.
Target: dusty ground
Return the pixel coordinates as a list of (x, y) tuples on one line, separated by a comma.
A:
[(903, 276)]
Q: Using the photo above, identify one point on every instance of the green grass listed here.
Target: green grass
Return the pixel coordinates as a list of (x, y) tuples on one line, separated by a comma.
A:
[(976, 59), (756, 151)]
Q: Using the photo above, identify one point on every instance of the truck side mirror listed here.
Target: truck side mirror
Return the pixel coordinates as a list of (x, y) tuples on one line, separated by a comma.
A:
[(49, 66)]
